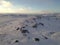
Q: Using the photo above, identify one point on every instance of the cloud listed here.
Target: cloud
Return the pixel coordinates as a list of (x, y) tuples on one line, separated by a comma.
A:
[(5, 6), (22, 10), (31, 11), (8, 7), (4, 3)]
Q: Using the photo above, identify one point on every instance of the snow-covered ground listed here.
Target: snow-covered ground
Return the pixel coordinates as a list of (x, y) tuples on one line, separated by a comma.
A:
[(30, 29)]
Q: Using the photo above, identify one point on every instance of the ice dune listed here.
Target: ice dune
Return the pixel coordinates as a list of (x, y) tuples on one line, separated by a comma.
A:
[(29, 30)]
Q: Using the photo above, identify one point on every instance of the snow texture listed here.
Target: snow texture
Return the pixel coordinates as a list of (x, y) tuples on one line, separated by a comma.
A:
[(20, 29)]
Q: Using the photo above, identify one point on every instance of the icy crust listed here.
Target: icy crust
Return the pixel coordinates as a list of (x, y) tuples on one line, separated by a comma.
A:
[(32, 30)]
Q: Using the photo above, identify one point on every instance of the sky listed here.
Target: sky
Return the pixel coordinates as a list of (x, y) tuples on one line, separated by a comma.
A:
[(30, 6)]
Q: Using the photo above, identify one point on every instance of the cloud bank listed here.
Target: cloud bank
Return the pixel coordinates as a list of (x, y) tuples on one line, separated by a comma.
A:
[(8, 7)]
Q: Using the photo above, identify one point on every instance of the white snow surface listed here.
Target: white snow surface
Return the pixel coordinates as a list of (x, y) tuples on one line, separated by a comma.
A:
[(45, 28)]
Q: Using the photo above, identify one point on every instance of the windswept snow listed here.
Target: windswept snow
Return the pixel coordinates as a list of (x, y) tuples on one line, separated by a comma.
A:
[(29, 29)]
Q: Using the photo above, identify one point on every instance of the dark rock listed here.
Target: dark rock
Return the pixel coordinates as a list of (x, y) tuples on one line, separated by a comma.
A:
[(26, 25), (24, 31), (37, 39), (52, 32), (41, 24), (16, 41), (18, 28), (46, 37), (23, 27), (34, 26)]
